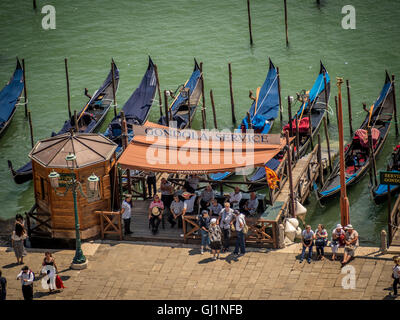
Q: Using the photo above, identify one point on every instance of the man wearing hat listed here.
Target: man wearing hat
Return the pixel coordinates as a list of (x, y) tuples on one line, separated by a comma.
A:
[(352, 243), (338, 235), (26, 276), (126, 213), (155, 213)]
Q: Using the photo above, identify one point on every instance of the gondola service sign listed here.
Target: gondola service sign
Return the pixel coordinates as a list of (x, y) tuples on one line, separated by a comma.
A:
[(390, 177)]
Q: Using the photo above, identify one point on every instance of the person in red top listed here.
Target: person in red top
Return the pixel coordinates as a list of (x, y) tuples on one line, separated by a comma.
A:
[(155, 213)]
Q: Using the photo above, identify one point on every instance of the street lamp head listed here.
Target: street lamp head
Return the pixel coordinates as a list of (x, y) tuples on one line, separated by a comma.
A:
[(93, 183), (71, 161), (54, 177)]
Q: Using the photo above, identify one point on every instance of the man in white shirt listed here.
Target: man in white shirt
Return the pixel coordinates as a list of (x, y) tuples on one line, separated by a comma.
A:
[(26, 277), (251, 204), (126, 213), (235, 197), (188, 204), (225, 220)]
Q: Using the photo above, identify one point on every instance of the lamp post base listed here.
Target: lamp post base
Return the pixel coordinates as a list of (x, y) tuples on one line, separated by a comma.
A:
[(79, 266)]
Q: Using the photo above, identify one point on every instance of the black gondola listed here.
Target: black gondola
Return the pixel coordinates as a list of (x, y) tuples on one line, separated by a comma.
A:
[(89, 119)]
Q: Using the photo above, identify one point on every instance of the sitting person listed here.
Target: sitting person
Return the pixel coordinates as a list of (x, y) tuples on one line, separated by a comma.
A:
[(351, 244), (155, 213), (338, 235), (251, 205), (321, 239), (307, 239), (215, 208), (176, 210), (206, 196), (235, 197)]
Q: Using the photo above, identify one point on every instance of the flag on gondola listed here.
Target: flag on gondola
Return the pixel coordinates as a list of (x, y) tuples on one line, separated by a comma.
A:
[(272, 178)]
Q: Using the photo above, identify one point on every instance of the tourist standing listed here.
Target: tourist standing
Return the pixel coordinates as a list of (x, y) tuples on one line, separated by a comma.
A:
[(351, 244), (321, 239), (176, 210), (155, 213), (204, 224), (307, 239), (225, 221), (396, 274), (3, 287), (206, 196), (251, 205), (17, 240), (188, 206), (26, 276), (338, 235), (215, 238), (126, 213), (240, 240), (151, 183)]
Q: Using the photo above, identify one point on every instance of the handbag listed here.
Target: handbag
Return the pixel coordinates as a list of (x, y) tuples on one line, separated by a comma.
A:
[(245, 229), (232, 227)]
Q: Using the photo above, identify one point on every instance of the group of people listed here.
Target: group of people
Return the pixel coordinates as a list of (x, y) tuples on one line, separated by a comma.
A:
[(345, 237)]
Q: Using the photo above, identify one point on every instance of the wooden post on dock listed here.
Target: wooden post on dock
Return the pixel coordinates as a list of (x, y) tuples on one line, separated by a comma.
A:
[(297, 138), (68, 90), (158, 89), (280, 100), (213, 109), (113, 87), (25, 96), (372, 157), (289, 167), (349, 106), (344, 201), (166, 107), (310, 129), (249, 16), (188, 101), (125, 145), (290, 116), (328, 144), (76, 122), (326, 98), (395, 107), (319, 159), (286, 24), (31, 128), (231, 92)]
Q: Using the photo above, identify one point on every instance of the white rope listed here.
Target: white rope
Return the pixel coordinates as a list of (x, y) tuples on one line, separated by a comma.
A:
[(266, 95)]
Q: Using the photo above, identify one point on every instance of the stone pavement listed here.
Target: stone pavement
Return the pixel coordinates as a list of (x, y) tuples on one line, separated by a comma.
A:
[(121, 270)]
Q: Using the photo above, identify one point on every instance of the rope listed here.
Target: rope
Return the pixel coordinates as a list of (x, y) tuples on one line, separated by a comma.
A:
[(266, 95)]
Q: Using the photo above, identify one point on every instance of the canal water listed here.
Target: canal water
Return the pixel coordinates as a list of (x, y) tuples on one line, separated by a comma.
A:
[(173, 32)]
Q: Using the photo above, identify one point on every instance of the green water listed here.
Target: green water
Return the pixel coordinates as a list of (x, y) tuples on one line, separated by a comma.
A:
[(89, 33)]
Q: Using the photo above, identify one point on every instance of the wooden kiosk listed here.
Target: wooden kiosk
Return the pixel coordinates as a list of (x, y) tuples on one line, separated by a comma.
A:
[(53, 213)]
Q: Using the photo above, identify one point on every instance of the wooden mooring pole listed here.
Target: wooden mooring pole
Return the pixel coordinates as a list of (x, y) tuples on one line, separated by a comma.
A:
[(289, 167), (189, 103), (250, 126), (231, 93), (349, 106), (286, 24), (158, 89), (290, 116), (113, 87), (34, 5), (328, 144), (280, 100), (394, 105), (166, 107), (310, 129), (249, 16), (30, 128), (372, 157), (297, 138), (125, 143), (319, 159), (25, 94), (337, 112), (213, 109), (68, 89), (76, 122)]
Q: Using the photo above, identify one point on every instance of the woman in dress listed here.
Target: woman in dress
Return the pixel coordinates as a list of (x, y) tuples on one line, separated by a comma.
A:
[(50, 261), (17, 239), (215, 238)]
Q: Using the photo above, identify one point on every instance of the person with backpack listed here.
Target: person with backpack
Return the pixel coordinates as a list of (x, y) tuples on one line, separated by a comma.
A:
[(26, 276), (3, 287)]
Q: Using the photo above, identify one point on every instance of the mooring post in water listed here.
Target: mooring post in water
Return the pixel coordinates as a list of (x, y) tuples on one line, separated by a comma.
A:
[(297, 138), (319, 159), (280, 100), (30, 128), (349, 106), (213, 109), (372, 156), (34, 5), (310, 129), (249, 16), (290, 116), (395, 107), (189, 106), (158, 89), (289, 167), (337, 112), (286, 24), (166, 107), (328, 144), (113, 87), (76, 122), (249, 125), (68, 90), (326, 97), (25, 96), (231, 92)]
